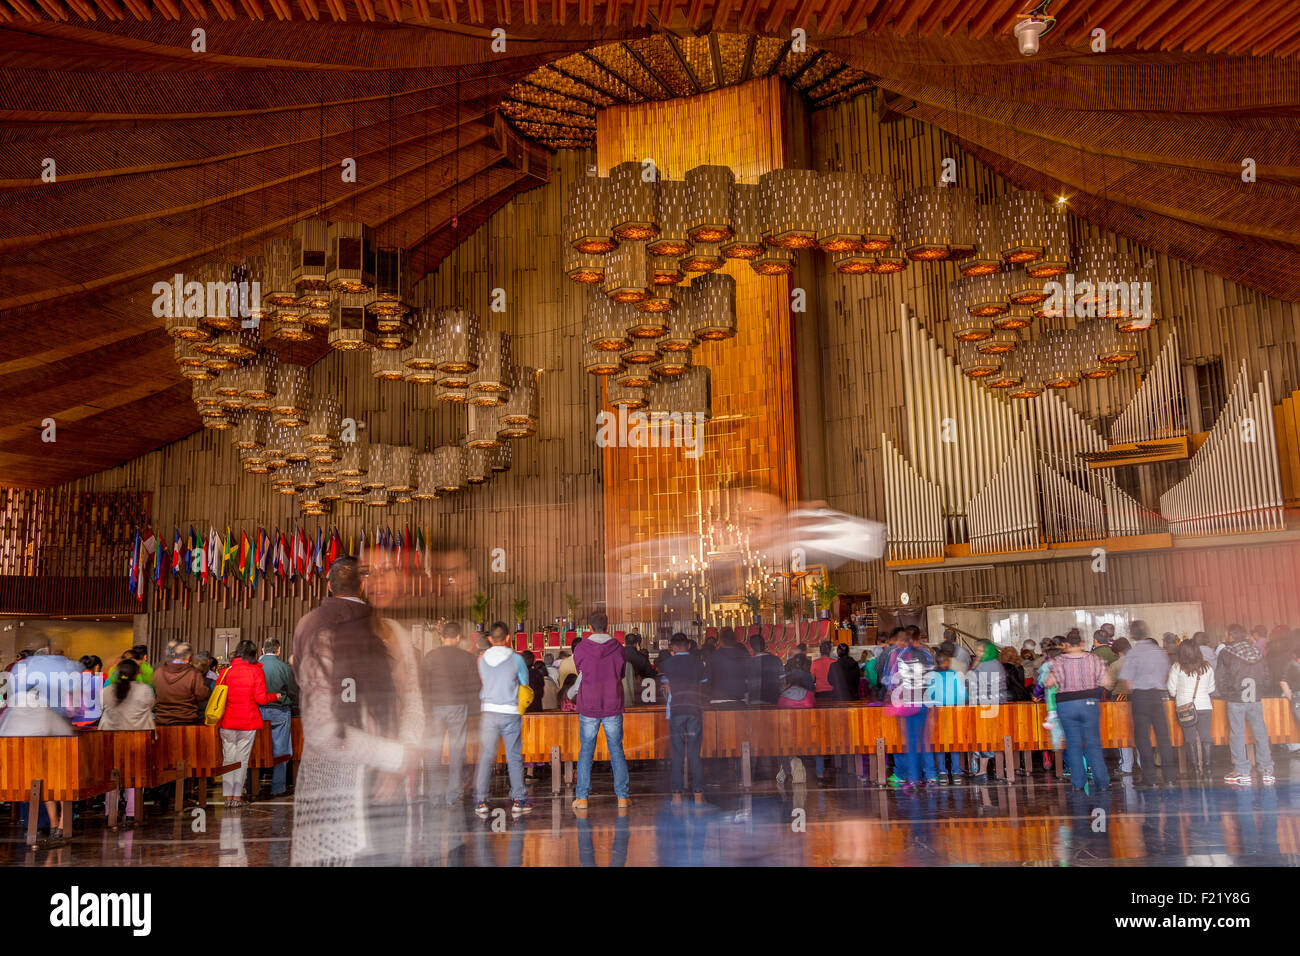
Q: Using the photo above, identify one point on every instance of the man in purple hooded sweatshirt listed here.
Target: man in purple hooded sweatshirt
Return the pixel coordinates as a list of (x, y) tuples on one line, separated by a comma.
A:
[(600, 661)]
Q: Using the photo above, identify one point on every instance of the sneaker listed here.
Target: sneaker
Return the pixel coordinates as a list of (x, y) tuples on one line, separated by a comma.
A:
[(580, 804), (623, 803), (1268, 779), (483, 809), (1238, 779), (943, 780), (932, 781), (520, 807)]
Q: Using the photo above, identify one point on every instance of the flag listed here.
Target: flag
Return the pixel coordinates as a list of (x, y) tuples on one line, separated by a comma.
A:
[(263, 553), (158, 561), (214, 550), (352, 546), (229, 553), (332, 553), (148, 545), (177, 556), (133, 569), (297, 562), (319, 557), (399, 549), (241, 567), (192, 552), (281, 555)]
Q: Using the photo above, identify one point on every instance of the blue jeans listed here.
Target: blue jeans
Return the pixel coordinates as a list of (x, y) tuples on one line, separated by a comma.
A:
[(916, 756), (446, 720), (1081, 724), (281, 743), (588, 728), (684, 731), (507, 728)]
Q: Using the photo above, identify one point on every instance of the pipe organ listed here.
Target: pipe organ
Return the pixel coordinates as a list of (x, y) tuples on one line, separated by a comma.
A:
[(1159, 407), (917, 533), (1234, 485), (988, 476), (1003, 515)]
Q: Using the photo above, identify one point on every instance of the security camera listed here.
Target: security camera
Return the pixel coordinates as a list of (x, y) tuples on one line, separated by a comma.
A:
[(1027, 33)]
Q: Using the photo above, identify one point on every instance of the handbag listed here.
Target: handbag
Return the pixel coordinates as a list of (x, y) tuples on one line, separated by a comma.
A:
[(1186, 713), (525, 697), (216, 708)]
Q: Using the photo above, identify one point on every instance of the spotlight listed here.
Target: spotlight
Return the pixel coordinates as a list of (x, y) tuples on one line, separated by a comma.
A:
[(1027, 33)]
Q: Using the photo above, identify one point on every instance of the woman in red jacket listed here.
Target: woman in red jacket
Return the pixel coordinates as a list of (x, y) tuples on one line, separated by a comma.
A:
[(246, 692)]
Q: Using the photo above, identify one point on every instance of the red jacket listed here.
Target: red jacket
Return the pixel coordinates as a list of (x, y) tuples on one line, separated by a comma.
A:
[(247, 689)]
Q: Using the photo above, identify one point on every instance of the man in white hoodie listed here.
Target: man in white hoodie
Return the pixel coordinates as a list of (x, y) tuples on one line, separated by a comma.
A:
[(501, 672)]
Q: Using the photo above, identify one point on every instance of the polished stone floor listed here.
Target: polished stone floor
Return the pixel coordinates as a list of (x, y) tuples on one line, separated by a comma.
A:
[(1035, 821)]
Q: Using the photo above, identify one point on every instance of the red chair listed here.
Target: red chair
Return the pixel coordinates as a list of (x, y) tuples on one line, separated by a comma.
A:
[(539, 641), (710, 632), (521, 641), (619, 635)]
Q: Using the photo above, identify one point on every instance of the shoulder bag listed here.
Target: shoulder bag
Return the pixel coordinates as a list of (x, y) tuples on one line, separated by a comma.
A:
[(216, 708), (1186, 713)]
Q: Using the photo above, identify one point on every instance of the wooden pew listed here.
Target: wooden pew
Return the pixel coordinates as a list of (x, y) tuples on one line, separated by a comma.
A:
[(62, 769)]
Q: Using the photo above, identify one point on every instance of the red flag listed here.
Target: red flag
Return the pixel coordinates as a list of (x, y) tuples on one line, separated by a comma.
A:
[(333, 551)]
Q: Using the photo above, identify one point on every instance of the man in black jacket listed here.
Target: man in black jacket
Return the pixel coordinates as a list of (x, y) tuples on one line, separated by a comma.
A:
[(728, 671), (765, 672), (450, 682), (636, 658), (1241, 678), (844, 675)]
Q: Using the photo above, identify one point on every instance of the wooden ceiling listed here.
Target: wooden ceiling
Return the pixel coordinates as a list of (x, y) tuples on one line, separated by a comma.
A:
[(556, 105), (166, 158)]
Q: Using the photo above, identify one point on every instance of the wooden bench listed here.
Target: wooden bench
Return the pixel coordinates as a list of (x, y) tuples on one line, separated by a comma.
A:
[(63, 769)]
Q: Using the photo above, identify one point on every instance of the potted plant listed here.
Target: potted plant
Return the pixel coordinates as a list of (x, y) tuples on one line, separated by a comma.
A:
[(806, 607), (787, 608), (755, 605), (478, 610), (572, 601), (826, 595), (520, 608)]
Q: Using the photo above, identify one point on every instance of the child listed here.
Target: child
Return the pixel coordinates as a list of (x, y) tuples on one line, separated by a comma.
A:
[(568, 704)]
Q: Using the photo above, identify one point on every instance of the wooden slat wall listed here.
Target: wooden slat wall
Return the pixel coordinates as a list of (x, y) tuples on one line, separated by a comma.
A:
[(545, 512), (863, 396)]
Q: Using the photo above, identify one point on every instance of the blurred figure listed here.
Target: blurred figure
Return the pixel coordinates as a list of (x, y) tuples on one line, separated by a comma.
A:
[(449, 679), (1144, 674), (637, 669), (796, 694), (1190, 684), (358, 738), (279, 714), (246, 693), (682, 675), (1242, 679), (567, 704), (128, 705), (1169, 640), (1205, 647), (1101, 644), (1017, 692), (599, 694), (501, 673), (821, 671), (1289, 683), (944, 687), (1080, 680), (1121, 647), (140, 654), (907, 696)]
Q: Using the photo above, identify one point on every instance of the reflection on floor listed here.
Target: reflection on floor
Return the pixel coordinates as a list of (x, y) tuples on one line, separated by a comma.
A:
[(1036, 821)]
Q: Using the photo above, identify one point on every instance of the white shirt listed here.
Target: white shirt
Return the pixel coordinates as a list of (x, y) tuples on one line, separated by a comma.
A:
[(1181, 684)]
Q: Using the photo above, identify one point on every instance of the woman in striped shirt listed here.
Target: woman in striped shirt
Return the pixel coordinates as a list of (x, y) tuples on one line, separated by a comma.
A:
[(1080, 680)]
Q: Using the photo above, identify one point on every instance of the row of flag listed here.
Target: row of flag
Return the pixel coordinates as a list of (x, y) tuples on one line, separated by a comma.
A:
[(287, 556)]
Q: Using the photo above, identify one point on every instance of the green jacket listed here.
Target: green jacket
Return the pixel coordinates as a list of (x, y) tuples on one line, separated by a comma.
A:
[(144, 677)]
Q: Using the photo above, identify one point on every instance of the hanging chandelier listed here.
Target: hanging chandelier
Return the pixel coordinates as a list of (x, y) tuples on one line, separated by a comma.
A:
[(351, 328), (517, 418), (490, 382), (606, 328), (789, 207), (773, 261), (926, 223), (674, 215), (634, 200), (746, 241), (590, 215), (631, 397), (457, 342), (839, 215), (1023, 219), (708, 200), (583, 267), (309, 243), (627, 272), (1055, 260), (349, 257), (974, 362), (481, 431), (713, 307), (600, 362), (987, 257)]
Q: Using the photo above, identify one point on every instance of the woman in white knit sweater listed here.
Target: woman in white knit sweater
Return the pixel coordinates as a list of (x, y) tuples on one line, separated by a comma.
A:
[(1191, 681)]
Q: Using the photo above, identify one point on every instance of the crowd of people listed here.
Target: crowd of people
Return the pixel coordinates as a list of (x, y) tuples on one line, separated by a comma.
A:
[(376, 717)]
